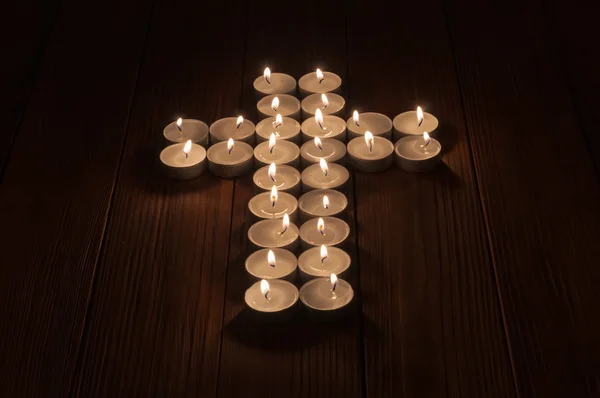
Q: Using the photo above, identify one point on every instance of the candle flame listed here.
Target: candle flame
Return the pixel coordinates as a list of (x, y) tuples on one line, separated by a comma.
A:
[(319, 118), (333, 280), (324, 101), (274, 195), (325, 202), (239, 122), (321, 226), (272, 142), (272, 171), (420, 116), (178, 123), (265, 289), (369, 140), (230, 144), (271, 258), (285, 223), (267, 75), (275, 104), (324, 167), (187, 148), (278, 121), (318, 143), (426, 138), (355, 117), (320, 76), (323, 253)]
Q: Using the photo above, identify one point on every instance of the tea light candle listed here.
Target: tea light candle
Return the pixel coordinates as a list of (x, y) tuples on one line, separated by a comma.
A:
[(328, 231), (369, 153), (329, 104), (283, 104), (273, 296), (285, 128), (324, 176), (323, 261), (414, 123), (184, 161), (322, 203), (326, 294), (274, 83), (323, 127), (333, 151), (230, 159), (285, 178), (182, 130), (274, 233), (272, 264), (239, 129), (414, 153), (377, 123), (273, 205), (276, 151), (319, 82)]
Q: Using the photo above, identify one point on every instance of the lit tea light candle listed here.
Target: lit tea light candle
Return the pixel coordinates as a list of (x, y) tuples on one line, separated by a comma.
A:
[(285, 128), (325, 295), (323, 127), (324, 176), (319, 82), (414, 123), (276, 151), (322, 203), (328, 104), (283, 104), (274, 296), (236, 128), (274, 83), (320, 262), (274, 233), (333, 151), (414, 153), (328, 231), (230, 159), (182, 130), (273, 205), (272, 264), (285, 178), (184, 161), (377, 123), (369, 153)]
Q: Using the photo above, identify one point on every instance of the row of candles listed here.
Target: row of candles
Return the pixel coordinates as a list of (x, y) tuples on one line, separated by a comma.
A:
[(323, 154)]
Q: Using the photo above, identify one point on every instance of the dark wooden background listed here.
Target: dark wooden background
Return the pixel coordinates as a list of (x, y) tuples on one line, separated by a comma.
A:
[(479, 279)]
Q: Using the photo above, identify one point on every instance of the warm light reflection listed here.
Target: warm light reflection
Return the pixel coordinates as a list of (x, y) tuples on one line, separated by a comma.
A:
[(274, 196), (267, 75), (272, 171), (325, 202), (369, 140), (271, 258), (324, 101), (319, 118), (323, 253), (187, 148), (230, 144), (318, 143), (321, 226), (239, 122), (265, 289), (320, 76), (324, 167), (275, 104), (420, 116)]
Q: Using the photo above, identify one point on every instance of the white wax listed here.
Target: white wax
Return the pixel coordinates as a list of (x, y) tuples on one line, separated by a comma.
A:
[(280, 84), (317, 294), (337, 262), (282, 296), (375, 160), (226, 128), (412, 154), (406, 124), (284, 152), (313, 102), (191, 129), (289, 130), (288, 106), (309, 84), (262, 207), (258, 266), (335, 127), (335, 233), (227, 164), (314, 178), (287, 179), (377, 123), (268, 234), (334, 151), (311, 204), (182, 168)]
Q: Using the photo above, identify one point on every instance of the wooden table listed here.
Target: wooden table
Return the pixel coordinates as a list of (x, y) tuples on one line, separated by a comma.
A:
[(479, 279)]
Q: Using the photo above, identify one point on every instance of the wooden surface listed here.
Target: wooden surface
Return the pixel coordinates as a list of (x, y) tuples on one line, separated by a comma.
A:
[(477, 279)]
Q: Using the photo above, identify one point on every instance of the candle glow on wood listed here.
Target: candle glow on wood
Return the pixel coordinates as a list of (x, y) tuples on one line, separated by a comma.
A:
[(265, 289), (278, 121), (285, 223), (239, 122), (272, 171), (272, 142), (324, 167), (420, 116), (267, 75), (355, 118), (323, 253), (324, 101), (318, 143), (187, 148), (319, 118), (274, 196), (321, 226), (275, 104), (230, 144), (178, 124), (325, 202), (369, 140), (271, 258)]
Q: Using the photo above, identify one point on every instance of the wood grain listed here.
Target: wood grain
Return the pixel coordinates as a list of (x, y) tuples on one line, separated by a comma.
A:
[(153, 326), (57, 188), (539, 192)]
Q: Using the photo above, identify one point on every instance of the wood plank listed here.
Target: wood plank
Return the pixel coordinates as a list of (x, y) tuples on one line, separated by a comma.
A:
[(433, 325), (24, 32), (539, 192), (57, 188), (300, 358), (154, 322)]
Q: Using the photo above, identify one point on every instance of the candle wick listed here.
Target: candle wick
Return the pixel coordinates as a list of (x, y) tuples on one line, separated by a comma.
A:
[(321, 126), (371, 146), (283, 232), (357, 123), (427, 142), (326, 206), (321, 79), (271, 150), (322, 231), (186, 155), (274, 203), (267, 296), (229, 151), (268, 80), (323, 259), (421, 122), (273, 179), (179, 128), (333, 287), (320, 147)]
